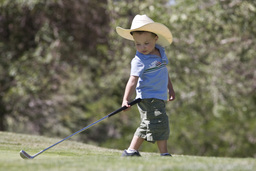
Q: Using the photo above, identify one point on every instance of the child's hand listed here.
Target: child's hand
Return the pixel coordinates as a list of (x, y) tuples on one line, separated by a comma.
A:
[(171, 96), (125, 103)]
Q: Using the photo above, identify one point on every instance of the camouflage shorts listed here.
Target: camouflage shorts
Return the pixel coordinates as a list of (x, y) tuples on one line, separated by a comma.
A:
[(154, 124)]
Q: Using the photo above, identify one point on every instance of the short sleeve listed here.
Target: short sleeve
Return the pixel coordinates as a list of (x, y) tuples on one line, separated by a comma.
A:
[(137, 67)]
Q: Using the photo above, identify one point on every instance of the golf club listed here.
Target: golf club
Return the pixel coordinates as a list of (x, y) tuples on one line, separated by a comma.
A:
[(25, 155)]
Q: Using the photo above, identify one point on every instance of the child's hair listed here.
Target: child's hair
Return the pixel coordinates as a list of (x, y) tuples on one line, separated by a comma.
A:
[(140, 32)]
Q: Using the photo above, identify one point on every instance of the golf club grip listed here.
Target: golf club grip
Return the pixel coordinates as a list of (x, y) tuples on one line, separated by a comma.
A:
[(124, 107)]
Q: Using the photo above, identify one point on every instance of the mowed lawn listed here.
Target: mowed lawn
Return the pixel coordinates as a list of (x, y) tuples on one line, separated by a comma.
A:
[(71, 155)]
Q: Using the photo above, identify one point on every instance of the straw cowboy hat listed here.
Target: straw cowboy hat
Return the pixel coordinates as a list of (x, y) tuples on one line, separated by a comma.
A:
[(144, 23)]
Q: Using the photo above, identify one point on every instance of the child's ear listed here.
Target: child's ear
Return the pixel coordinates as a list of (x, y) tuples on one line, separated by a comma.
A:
[(156, 38)]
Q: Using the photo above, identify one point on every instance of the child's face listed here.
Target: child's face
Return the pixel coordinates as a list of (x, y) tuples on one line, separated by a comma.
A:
[(145, 42)]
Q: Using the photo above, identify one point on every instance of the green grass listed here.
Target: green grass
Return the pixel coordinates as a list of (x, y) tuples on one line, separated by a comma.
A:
[(70, 155)]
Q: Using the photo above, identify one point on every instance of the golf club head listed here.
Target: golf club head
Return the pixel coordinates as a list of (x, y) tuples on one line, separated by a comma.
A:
[(25, 155)]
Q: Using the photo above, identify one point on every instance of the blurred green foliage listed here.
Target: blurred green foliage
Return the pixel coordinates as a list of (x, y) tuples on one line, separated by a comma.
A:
[(63, 66)]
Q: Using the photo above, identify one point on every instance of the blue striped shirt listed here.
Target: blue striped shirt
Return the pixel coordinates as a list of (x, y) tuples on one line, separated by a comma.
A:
[(152, 73)]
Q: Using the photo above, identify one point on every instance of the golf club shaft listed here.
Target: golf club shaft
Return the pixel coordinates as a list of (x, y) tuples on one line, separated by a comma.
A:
[(70, 136), (109, 115)]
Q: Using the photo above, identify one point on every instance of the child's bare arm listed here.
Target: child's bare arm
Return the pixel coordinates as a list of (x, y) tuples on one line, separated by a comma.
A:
[(129, 90), (171, 91)]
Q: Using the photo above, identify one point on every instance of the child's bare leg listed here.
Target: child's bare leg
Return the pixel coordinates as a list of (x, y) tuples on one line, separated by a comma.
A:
[(136, 143), (162, 146)]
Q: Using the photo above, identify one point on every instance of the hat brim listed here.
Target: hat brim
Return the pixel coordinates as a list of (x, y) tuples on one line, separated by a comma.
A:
[(163, 33)]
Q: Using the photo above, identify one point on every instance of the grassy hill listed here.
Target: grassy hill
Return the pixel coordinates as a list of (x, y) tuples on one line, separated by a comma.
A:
[(71, 155)]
